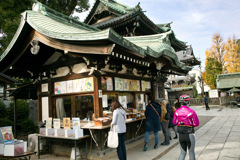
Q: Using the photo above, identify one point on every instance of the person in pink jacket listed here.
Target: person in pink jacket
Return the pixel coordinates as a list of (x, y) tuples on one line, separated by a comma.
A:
[(186, 119)]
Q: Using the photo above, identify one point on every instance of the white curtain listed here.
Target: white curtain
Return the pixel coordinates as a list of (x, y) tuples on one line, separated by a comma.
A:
[(60, 108)]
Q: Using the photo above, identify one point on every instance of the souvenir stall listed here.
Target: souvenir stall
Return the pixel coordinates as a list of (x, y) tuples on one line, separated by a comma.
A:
[(80, 68)]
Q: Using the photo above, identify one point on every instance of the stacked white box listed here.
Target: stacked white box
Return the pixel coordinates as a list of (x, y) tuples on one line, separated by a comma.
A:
[(50, 132), (42, 131), (14, 149), (60, 132), (69, 133), (1, 148), (78, 133)]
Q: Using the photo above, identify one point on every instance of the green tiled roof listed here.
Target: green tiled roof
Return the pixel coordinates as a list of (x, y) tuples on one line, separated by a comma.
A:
[(225, 81), (57, 26), (158, 45), (117, 6), (58, 18)]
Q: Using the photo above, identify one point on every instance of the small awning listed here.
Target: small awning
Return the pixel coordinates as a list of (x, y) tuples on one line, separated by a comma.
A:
[(25, 92), (234, 90)]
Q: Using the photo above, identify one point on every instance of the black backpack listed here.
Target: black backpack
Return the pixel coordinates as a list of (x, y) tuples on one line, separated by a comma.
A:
[(167, 116)]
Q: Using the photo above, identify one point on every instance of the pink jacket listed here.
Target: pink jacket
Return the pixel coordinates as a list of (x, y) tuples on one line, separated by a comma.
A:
[(186, 115)]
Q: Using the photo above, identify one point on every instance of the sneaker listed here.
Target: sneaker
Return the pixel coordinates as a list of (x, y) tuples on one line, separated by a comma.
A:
[(156, 146), (165, 143), (145, 147)]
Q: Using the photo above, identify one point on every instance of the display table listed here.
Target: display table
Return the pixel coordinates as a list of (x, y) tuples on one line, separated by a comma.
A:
[(27, 155), (99, 133), (65, 139)]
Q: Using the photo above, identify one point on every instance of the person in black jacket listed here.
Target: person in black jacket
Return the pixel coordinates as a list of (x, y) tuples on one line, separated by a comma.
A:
[(206, 102), (152, 113)]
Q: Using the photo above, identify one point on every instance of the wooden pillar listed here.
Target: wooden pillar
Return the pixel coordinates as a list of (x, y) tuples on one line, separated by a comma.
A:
[(98, 109)]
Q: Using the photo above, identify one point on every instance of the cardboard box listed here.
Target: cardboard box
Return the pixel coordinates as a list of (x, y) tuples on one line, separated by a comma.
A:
[(14, 149), (1, 148), (78, 133)]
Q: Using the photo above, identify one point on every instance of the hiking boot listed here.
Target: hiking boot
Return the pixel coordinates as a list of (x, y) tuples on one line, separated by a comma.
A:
[(156, 146), (145, 147)]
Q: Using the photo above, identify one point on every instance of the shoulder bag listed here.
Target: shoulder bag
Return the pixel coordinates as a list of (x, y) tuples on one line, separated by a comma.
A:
[(112, 138), (156, 111)]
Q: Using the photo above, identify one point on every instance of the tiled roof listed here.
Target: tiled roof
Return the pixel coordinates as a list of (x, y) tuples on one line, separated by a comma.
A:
[(225, 81), (157, 45), (115, 5)]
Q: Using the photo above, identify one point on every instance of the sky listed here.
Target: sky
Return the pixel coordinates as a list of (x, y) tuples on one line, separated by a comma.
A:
[(194, 21)]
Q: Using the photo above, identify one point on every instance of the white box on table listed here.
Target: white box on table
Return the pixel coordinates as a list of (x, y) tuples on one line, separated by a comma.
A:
[(14, 149), (50, 132), (60, 132), (69, 133), (25, 144), (1, 148), (42, 131), (78, 133)]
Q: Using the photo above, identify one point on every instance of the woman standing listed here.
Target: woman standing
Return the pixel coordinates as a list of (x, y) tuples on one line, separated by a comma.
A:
[(186, 119), (152, 113), (118, 121)]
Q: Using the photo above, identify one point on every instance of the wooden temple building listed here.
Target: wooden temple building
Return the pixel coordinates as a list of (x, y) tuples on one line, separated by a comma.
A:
[(79, 68)]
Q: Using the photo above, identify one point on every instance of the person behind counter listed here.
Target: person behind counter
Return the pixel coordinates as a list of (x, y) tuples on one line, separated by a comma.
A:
[(152, 113), (118, 121)]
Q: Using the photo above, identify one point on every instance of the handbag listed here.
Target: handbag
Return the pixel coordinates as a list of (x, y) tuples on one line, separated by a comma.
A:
[(167, 116), (183, 129), (112, 138)]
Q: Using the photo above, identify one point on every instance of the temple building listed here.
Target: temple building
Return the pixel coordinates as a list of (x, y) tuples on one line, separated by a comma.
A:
[(79, 68)]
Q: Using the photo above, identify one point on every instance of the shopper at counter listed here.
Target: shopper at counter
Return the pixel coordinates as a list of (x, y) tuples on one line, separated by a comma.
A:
[(118, 121), (152, 113)]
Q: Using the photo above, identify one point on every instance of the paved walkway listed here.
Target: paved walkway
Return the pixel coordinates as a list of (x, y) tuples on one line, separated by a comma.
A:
[(217, 138)]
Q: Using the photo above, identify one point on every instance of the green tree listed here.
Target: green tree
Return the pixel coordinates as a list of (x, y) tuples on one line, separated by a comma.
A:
[(212, 69), (10, 13), (217, 49)]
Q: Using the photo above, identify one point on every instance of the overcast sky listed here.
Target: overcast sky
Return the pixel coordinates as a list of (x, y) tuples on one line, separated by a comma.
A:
[(194, 21)]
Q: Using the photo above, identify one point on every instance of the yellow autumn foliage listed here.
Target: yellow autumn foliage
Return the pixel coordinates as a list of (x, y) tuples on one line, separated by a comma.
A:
[(232, 55)]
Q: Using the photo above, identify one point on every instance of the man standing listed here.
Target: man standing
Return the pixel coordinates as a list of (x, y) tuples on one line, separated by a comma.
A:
[(206, 102), (164, 123)]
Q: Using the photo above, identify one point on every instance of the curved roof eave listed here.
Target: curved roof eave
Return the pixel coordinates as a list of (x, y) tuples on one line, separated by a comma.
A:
[(13, 48)]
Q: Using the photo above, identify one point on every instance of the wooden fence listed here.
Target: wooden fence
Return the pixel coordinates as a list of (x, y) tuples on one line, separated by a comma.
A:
[(223, 101)]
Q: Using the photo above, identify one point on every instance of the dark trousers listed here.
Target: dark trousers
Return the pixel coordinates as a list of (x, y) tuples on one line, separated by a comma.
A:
[(121, 149), (207, 107)]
